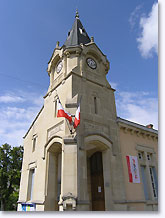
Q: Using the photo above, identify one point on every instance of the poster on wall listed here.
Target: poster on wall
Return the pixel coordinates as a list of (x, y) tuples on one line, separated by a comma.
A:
[(133, 169), (28, 207)]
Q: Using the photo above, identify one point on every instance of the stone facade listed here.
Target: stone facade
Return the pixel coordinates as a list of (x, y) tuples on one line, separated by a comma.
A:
[(56, 171), (140, 141)]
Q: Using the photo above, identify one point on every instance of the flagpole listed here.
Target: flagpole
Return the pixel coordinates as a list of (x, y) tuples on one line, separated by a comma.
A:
[(69, 127), (65, 119), (80, 99), (68, 124)]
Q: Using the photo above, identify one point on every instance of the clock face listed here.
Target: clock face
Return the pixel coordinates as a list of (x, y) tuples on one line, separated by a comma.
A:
[(91, 63), (59, 67)]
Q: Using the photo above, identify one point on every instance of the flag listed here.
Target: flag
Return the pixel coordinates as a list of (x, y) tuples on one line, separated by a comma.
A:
[(62, 113), (77, 117), (133, 169)]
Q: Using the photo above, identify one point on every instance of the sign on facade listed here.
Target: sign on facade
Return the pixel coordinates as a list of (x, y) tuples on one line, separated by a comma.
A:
[(27, 207), (133, 169)]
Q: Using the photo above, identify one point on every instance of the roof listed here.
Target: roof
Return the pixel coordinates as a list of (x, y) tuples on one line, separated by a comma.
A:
[(130, 123), (77, 34), (33, 122)]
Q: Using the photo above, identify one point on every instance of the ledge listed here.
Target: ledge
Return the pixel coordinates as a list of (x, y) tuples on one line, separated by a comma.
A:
[(152, 202), (30, 202), (148, 202), (83, 202), (72, 102), (68, 140), (129, 201)]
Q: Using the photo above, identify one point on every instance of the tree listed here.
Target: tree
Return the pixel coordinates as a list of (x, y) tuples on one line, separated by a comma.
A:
[(10, 173)]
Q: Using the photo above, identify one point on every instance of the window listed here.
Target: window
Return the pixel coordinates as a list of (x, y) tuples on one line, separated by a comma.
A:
[(30, 184), (95, 105), (140, 155), (148, 156), (144, 179), (34, 143), (55, 108), (148, 172), (153, 181), (82, 31), (69, 33), (59, 177)]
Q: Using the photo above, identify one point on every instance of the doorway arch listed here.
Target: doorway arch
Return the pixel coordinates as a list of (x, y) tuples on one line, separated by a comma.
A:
[(53, 175), (97, 182), (99, 152)]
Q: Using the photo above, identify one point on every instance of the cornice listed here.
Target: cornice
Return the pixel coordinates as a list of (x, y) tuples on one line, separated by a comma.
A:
[(132, 128), (86, 79)]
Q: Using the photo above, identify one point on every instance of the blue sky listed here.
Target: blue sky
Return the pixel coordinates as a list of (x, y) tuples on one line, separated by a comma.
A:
[(126, 31)]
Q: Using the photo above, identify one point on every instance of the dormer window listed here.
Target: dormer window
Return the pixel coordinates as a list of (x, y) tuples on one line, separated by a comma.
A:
[(82, 31), (69, 33)]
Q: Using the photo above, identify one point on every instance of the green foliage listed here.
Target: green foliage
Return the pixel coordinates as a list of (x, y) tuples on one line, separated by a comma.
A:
[(10, 173)]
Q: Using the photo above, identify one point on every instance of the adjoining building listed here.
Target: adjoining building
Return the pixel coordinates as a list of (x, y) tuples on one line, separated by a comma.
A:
[(106, 163)]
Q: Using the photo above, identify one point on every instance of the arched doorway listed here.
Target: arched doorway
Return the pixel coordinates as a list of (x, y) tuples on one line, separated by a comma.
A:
[(97, 182), (98, 155), (54, 159)]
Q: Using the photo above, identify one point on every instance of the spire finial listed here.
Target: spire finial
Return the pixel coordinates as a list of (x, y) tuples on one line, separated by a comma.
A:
[(77, 15)]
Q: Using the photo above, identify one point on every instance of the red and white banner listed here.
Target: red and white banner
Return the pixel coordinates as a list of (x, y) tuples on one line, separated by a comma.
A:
[(77, 117), (133, 169), (62, 113)]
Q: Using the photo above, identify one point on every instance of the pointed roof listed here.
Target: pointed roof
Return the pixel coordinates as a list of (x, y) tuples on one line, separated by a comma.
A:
[(77, 34)]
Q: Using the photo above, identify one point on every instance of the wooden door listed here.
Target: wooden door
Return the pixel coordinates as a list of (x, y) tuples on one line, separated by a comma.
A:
[(97, 182)]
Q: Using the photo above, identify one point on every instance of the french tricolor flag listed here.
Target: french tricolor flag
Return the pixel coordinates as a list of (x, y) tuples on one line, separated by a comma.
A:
[(62, 113), (77, 117)]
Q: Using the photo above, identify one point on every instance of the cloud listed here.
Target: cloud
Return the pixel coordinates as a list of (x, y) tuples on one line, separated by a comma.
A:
[(17, 113), (113, 85), (13, 138), (32, 97), (134, 16), (20, 96), (138, 107), (16, 118), (148, 39), (8, 98)]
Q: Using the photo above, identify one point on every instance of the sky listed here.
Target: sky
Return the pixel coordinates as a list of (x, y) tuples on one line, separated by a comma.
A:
[(125, 31)]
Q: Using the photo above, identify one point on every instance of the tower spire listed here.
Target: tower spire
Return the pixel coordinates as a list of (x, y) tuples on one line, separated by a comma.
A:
[(77, 34)]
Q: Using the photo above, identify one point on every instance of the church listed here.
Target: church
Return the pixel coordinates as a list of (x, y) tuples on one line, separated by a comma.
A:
[(78, 154)]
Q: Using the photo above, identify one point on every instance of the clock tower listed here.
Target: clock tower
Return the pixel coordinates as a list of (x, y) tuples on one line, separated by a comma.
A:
[(75, 169)]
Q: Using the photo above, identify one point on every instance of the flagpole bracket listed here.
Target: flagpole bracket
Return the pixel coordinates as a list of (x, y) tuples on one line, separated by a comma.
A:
[(69, 140)]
